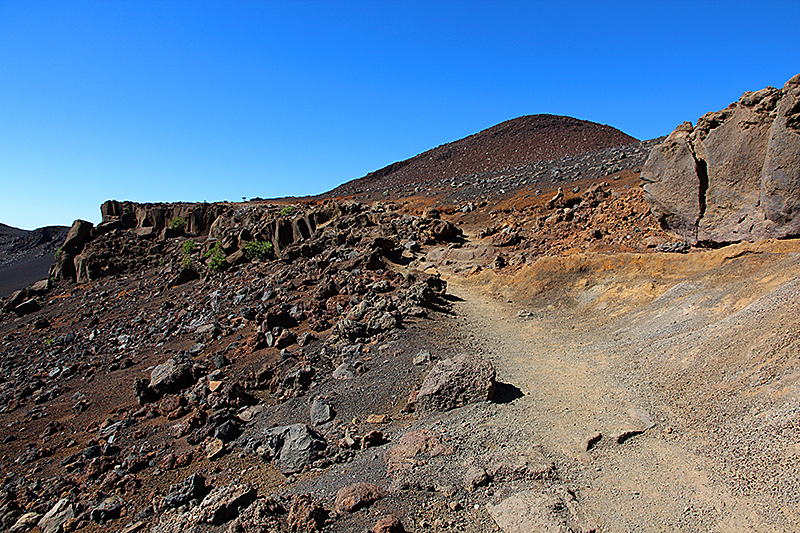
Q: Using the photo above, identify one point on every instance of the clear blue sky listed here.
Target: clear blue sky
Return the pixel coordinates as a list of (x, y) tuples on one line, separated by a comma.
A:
[(192, 101)]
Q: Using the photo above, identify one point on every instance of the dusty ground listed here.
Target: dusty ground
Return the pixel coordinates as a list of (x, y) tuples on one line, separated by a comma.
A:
[(699, 346)]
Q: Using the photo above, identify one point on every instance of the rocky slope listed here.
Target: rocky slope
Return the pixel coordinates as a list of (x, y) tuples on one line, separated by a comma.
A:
[(295, 366), (512, 146)]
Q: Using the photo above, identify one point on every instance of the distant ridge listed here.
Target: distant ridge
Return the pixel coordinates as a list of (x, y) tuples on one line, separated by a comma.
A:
[(26, 256), (510, 144)]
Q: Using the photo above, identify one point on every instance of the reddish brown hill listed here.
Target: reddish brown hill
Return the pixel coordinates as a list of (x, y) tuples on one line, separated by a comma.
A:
[(514, 143)]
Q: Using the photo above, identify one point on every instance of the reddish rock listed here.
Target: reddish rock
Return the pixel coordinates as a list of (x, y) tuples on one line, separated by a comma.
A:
[(401, 456), (389, 524), (354, 497), (306, 514)]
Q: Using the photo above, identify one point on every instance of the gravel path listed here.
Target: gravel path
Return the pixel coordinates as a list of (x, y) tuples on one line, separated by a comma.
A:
[(590, 374)]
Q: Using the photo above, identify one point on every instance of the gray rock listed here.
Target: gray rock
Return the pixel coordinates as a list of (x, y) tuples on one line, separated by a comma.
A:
[(672, 184), (109, 509), (28, 306), (78, 234), (780, 182), (25, 523), (207, 332), (349, 329), (223, 503), (474, 477), (321, 412), (674, 247), (52, 521), (293, 447), (422, 358), (192, 488), (456, 382), (172, 376), (349, 369), (184, 275)]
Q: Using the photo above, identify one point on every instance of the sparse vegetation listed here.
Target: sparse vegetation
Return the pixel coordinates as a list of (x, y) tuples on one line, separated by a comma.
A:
[(177, 223), (57, 255), (286, 210), (258, 250), (189, 247), (217, 257), (186, 262)]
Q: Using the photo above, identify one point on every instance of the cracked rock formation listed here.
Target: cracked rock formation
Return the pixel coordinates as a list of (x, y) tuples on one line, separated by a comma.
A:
[(735, 176)]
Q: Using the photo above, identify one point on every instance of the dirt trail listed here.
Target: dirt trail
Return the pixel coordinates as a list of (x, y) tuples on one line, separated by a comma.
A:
[(644, 472)]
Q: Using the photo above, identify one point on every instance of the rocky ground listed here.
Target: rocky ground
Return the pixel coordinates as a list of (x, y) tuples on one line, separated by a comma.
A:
[(520, 350)]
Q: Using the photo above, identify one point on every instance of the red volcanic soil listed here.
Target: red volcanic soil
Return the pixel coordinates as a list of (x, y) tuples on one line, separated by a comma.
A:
[(515, 143)]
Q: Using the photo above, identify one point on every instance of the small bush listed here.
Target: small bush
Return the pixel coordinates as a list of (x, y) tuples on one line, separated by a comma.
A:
[(286, 210), (217, 255), (189, 247), (177, 223), (258, 249), (186, 262), (58, 253)]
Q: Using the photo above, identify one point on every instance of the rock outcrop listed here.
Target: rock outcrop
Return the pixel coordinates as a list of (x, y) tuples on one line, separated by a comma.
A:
[(735, 176)]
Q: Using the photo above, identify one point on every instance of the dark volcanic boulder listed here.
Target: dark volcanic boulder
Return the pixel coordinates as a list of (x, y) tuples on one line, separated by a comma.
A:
[(456, 382), (735, 175)]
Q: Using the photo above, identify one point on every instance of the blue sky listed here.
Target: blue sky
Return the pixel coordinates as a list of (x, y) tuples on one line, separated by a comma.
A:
[(193, 101)]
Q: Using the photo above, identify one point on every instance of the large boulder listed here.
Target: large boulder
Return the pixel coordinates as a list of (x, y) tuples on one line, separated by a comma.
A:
[(456, 382), (735, 175)]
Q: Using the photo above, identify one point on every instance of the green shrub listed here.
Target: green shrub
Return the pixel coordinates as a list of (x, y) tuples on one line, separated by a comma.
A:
[(217, 255), (189, 247), (58, 253), (186, 262), (258, 249), (286, 210), (177, 223)]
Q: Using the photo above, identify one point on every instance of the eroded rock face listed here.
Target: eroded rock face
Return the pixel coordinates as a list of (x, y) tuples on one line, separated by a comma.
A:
[(735, 175)]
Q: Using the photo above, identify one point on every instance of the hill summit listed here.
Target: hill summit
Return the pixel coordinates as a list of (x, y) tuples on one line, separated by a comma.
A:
[(514, 143)]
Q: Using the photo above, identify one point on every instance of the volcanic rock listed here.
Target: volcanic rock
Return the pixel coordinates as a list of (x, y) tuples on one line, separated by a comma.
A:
[(357, 496), (735, 175), (55, 518), (293, 447), (306, 514), (456, 382), (389, 524)]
